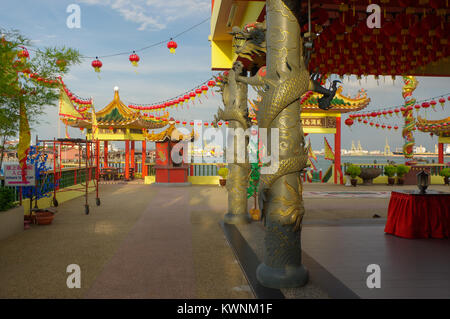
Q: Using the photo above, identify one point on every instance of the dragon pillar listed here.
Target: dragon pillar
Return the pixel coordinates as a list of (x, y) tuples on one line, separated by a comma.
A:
[(410, 84), (234, 95)]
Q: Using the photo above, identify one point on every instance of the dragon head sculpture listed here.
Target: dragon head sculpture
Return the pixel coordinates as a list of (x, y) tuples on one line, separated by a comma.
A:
[(251, 40)]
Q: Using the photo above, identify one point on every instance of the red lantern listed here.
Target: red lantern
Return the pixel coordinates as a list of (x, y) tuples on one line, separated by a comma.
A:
[(191, 123), (97, 64), (192, 95), (377, 125), (442, 102), (204, 89), (349, 122), (371, 123), (425, 105), (396, 127), (186, 97), (134, 59), (396, 111), (226, 123), (211, 83), (184, 123), (433, 104), (172, 45), (417, 107), (389, 127), (198, 92)]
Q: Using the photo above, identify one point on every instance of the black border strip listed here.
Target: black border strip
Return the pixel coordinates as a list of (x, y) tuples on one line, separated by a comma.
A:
[(248, 262)]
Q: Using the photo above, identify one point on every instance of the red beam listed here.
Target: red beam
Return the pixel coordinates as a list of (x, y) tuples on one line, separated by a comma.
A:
[(337, 152), (105, 154), (144, 158), (441, 153), (127, 160)]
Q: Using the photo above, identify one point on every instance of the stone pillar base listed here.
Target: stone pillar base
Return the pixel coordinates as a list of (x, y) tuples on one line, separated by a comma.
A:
[(290, 277), (236, 219)]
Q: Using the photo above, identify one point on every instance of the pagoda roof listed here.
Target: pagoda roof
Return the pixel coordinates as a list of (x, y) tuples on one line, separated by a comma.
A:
[(171, 133), (340, 102), (438, 127), (117, 115)]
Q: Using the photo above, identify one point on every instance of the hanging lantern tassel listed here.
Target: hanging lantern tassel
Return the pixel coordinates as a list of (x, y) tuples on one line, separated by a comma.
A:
[(204, 89), (97, 65), (134, 59), (172, 45), (433, 105), (211, 84), (442, 102)]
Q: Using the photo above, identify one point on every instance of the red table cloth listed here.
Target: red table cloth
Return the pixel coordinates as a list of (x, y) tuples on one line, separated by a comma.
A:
[(415, 215)]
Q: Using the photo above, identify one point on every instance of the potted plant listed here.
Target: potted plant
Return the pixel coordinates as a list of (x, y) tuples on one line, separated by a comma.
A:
[(44, 216), (353, 171), (446, 174), (402, 170), (223, 172), (389, 171)]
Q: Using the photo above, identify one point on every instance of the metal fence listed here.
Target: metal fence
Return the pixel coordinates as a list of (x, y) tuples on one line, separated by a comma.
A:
[(68, 177), (196, 169), (435, 169)]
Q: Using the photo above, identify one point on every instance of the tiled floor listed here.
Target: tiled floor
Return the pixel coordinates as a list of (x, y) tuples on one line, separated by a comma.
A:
[(409, 268)]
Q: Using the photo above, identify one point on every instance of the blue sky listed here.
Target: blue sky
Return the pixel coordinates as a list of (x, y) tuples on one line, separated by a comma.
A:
[(112, 26)]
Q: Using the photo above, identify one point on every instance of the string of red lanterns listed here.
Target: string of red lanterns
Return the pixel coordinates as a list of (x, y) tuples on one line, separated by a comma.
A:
[(178, 100), (400, 110)]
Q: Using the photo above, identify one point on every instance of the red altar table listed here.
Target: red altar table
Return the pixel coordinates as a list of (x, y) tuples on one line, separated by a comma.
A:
[(415, 215)]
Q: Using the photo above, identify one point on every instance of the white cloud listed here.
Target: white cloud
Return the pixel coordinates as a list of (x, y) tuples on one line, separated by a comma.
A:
[(154, 14)]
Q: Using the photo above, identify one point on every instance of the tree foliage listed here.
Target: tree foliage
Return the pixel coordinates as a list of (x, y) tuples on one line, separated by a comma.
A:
[(17, 87)]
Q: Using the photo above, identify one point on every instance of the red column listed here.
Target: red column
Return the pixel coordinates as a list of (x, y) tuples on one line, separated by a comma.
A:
[(105, 154), (133, 162), (127, 160), (441, 153), (337, 152), (144, 158)]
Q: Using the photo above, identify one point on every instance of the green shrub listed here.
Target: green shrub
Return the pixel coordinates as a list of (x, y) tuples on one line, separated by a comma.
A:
[(6, 198), (353, 171), (445, 172), (390, 170), (402, 170), (223, 172)]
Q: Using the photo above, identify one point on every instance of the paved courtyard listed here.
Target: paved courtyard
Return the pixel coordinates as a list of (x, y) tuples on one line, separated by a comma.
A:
[(146, 241)]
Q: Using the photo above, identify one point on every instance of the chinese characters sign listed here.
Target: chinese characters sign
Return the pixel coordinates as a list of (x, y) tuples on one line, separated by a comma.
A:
[(323, 122), (13, 175)]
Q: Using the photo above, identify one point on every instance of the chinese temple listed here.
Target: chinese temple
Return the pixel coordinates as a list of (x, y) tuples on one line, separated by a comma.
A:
[(115, 122), (440, 128), (168, 170)]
